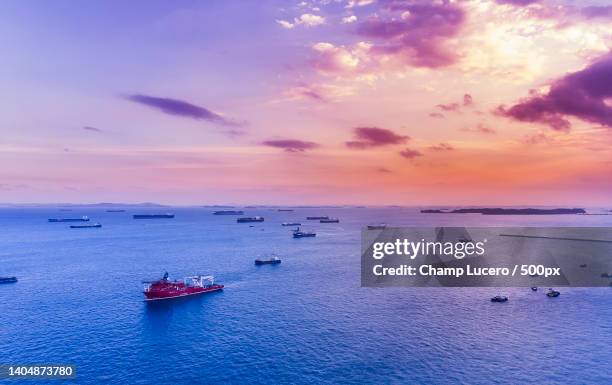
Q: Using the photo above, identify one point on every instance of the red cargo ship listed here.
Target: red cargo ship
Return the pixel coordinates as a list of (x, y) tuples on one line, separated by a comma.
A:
[(166, 289)]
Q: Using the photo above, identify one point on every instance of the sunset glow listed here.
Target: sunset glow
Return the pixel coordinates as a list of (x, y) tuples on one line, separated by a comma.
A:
[(311, 102)]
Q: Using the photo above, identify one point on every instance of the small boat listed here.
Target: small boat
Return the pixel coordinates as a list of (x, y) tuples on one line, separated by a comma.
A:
[(316, 218), (380, 226), (330, 220), (606, 275), (499, 298), (269, 261), (153, 216), (291, 224), (250, 219), (297, 233), (534, 288), (583, 265), (8, 279), (552, 293), (92, 226), (81, 219), (166, 289), (228, 212)]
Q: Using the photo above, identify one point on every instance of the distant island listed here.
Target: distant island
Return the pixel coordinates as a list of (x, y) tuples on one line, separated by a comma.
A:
[(502, 211)]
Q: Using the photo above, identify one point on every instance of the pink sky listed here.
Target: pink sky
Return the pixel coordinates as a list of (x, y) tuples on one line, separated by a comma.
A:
[(311, 102)]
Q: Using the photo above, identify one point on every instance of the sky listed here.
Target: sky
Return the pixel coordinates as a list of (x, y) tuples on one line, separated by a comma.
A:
[(373, 102)]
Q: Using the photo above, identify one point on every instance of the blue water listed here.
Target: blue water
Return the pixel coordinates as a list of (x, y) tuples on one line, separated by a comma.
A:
[(79, 300)]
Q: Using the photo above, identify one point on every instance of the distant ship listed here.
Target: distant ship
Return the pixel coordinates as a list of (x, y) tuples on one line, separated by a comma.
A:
[(291, 224), (250, 219), (166, 289), (297, 233), (269, 261), (82, 219), (228, 212), (330, 220), (115, 211), (380, 226), (285, 209), (8, 279), (316, 218), (92, 226), (152, 216)]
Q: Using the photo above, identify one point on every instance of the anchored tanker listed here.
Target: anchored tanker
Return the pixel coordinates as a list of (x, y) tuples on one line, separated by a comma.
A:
[(153, 216)]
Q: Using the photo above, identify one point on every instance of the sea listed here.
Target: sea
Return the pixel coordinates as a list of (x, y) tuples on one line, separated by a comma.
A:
[(79, 301)]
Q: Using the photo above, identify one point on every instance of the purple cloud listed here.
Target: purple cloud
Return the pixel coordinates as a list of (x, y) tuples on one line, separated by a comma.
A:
[(367, 137), (93, 129), (384, 170), (583, 94), (442, 147), (291, 145), (468, 100), (410, 154), (594, 12), (419, 34), (448, 107), (180, 108), (436, 115)]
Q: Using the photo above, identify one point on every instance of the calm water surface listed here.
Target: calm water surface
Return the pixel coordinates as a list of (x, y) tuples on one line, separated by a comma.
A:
[(79, 300)]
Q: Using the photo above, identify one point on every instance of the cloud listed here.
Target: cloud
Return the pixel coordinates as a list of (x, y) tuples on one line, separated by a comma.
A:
[(410, 154), (180, 108), (368, 137), (467, 101), (442, 147), (306, 19), (90, 128), (449, 107), (594, 12), (383, 170), (583, 94), (536, 139), (291, 145), (517, 2), (331, 58), (417, 33), (358, 3), (349, 19), (480, 129), (436, 115)]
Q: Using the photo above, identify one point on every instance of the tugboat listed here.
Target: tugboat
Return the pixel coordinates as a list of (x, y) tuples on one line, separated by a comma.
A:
[(297, 233), (250, 219), (269, 261), (499, 298), (8, 279), (552, 293), (92, 226), (330, 220), (81, 219), (380, 226), (152, 216), (291, 224), (166, 289)]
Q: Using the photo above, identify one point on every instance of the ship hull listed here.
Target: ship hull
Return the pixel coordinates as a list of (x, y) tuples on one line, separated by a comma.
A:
[(170, 294)]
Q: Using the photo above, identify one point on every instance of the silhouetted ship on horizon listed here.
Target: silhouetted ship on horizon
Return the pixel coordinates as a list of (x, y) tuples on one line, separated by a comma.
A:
[(81, 219), (317, 218), (152, 216), (228, 212), (250, 219)]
